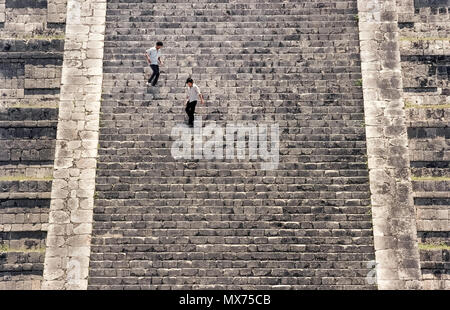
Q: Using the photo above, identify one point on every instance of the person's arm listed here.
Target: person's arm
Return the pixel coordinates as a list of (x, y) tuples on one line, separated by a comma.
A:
[(147, 57), (201, 98), (158, 53), (200, 95)]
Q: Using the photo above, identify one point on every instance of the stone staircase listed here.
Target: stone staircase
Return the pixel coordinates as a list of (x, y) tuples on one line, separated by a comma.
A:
[(425, 60), (26, 164), (29, 90), (161, 223)]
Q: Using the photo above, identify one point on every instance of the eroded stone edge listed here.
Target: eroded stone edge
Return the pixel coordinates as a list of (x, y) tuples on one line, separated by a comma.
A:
[(393, 213)]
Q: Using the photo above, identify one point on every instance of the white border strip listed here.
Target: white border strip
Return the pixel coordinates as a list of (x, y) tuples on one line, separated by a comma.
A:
[(72, 198), (394, 219)]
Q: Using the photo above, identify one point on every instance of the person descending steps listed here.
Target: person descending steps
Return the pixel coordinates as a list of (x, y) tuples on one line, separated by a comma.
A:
[(193, 94), (153, 56)]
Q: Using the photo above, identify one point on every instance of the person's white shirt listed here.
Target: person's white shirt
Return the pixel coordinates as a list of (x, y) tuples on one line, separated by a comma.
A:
[(193, 92), (154, 54)]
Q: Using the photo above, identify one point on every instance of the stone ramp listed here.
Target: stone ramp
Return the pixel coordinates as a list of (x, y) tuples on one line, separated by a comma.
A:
[(161, 223)]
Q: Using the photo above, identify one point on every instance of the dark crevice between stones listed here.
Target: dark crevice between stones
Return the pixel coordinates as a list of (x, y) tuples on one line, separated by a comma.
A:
[(421, 201), (56, 25), (402, 25), (44, 61), (33, 186), (437, 60), (12, 69), (433, 236), (428, 132), (41, 91), (420, 89), (27, 162), (23, 4), (430, 164), (33, 48), (28, 114), (431, 4), (23, 239), (27, 133), (9, 275), (24, 203)]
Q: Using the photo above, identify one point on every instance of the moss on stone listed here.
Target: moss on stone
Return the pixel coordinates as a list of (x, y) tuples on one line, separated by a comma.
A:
[(25, 178), (434, 246), (427, 106), (6, 249), (32, 106), (416, 178), (37, 37)]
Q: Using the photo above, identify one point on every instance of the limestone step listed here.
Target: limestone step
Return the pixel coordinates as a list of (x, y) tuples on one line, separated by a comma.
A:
[(21, 261), (434, 237), (22, 186), (432, 194), (22, 132), (27, 151), (20, 241), (29, 170), (432, 186), (435, 265), (21, 270), (29, 124), (28, 114), (25, 195), (24, 214)]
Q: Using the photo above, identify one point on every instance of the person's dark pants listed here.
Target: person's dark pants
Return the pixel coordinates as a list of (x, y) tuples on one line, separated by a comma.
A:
[(155, 75), (190, 110)]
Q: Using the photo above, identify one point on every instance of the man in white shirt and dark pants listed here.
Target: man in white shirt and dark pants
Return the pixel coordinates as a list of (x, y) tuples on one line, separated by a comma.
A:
[(153, 56), (193, 94)]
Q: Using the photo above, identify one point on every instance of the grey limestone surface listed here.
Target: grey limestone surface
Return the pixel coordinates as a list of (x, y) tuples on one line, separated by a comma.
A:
[(394, 216)]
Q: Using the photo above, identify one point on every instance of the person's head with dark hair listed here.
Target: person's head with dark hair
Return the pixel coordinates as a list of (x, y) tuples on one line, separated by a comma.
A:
[(190, 82), (159, 44)]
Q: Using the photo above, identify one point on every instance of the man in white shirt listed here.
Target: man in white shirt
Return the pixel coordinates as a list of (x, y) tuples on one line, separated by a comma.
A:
[(153, 56), (193, 94)]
